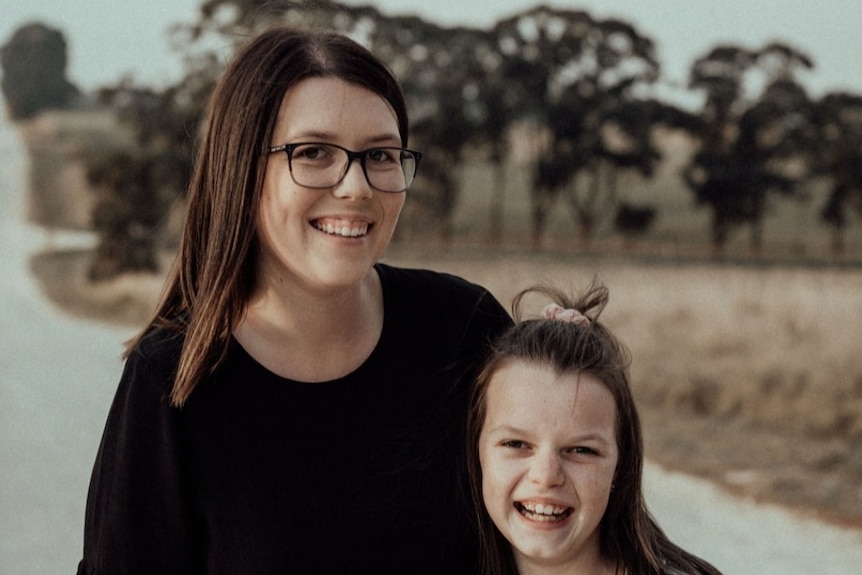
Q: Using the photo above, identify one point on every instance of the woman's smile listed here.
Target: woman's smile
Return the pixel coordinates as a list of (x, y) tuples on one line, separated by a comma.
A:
[(342, 227)]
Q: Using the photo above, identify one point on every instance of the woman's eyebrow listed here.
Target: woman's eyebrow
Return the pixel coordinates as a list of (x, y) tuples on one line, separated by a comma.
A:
[(322, 136)]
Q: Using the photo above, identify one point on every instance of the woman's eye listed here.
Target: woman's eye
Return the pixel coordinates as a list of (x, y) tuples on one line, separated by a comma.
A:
[(382, 155), (582, 450), (310, 153)]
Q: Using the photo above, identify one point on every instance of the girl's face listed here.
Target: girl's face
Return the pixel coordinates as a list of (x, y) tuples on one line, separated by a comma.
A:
[(548, 452), (324, 239)]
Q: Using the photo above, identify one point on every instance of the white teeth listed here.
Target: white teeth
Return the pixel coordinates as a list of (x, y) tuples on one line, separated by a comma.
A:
[(343, 231), (541, 509)]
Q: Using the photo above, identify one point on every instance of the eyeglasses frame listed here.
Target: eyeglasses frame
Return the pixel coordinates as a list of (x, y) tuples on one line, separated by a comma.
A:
[(351, 155)]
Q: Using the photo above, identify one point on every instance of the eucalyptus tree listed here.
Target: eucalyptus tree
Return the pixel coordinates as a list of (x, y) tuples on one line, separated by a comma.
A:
[(751, 146), (136, 187), (838, 158), (450, 79), (577, 75)]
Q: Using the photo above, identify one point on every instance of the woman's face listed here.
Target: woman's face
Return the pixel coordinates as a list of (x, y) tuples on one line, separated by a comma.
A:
[(325, 239), (548, 451)]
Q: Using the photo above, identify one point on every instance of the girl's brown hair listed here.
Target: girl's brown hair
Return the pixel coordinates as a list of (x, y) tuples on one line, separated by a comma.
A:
[(213, 275), (628, 533)]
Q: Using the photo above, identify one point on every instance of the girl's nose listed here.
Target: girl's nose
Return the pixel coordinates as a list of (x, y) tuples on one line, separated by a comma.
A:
[(546, 470)]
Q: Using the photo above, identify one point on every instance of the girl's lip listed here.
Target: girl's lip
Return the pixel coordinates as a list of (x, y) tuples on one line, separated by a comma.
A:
[(543, 510)]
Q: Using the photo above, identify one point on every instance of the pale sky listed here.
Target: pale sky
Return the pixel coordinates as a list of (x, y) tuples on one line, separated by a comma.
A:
[(108, 38)]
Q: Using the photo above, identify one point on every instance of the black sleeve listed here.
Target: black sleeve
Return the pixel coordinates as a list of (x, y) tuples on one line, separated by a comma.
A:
[(137, 517), (485, 322), (488, 321)]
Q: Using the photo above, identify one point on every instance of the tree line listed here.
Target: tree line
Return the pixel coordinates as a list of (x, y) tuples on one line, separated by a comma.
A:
[(582, 83)]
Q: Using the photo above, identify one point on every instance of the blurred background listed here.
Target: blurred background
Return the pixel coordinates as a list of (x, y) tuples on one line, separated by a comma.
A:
[(704, 159), (682, 126)]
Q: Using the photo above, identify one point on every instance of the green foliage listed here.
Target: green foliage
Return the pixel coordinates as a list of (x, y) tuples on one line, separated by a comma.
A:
[(581, 77), (136, 188), (124, 215), (34, 72), (750, 144), (837, 118)]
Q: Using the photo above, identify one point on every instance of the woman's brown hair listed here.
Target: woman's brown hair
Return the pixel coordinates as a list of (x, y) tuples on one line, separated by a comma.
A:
[(213, 274), (628, 533)]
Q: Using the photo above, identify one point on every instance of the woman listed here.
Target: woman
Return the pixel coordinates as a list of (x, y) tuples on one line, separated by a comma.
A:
[(294, 406), (556, 455)]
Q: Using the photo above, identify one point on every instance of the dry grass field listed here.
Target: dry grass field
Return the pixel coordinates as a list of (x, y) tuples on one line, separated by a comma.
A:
[(750, 376)]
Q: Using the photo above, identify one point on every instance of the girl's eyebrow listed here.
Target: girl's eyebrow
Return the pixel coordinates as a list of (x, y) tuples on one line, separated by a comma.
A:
[(594, 436), (508, 429), (597, 436)]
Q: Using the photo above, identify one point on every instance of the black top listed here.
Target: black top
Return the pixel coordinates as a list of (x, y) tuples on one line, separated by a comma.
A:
[(258, 474)]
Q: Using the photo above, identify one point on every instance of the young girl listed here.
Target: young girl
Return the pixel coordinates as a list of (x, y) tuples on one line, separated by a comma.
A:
[(556, 455)]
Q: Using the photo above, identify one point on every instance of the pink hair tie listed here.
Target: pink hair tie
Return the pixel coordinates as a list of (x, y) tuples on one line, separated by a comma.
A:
[(555, 312)]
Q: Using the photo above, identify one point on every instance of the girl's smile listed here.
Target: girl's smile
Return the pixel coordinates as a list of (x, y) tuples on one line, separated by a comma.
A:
[(548, 454)]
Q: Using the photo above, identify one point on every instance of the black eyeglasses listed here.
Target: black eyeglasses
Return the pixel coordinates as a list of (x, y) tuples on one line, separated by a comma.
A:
[(319, 165)]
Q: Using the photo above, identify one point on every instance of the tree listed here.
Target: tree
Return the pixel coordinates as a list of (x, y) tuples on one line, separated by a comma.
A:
[(135, 188), (838, 157), (445, 74), (749, 147), (124, 215), (34, 72), (580, 77)]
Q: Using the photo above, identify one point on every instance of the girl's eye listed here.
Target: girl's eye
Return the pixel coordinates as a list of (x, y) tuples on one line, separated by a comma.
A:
[(514, 444), (582, 450)]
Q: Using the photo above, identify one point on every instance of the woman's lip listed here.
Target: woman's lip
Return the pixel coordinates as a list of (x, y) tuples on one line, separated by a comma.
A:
[(343, 227), (349, 219)]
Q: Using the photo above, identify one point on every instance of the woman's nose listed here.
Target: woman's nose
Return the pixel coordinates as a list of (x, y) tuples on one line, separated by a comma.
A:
[(354, 184)]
